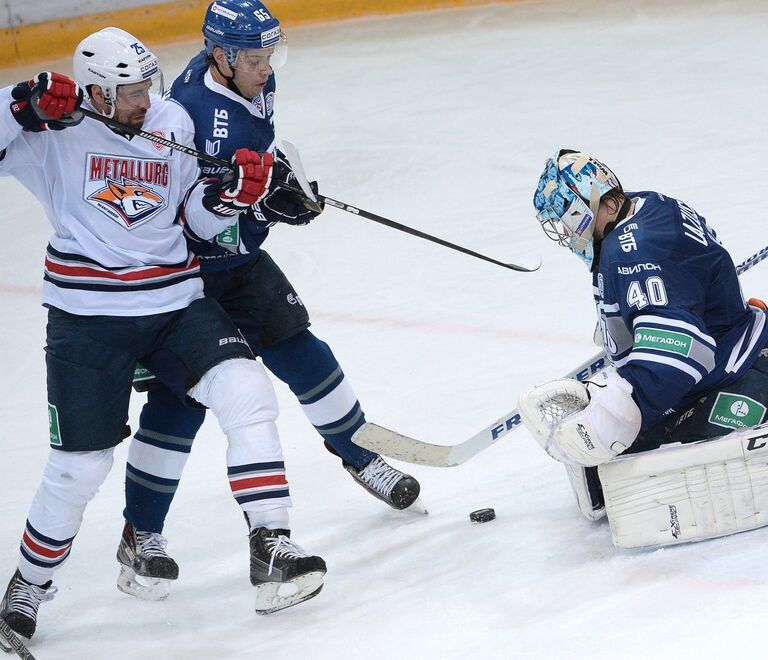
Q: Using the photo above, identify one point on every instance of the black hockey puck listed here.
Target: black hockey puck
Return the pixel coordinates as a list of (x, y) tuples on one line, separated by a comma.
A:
[(482, 515)]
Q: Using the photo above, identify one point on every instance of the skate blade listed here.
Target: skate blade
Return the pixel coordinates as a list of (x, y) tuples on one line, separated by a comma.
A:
[(417, 507), (276, 596), (142, 587)]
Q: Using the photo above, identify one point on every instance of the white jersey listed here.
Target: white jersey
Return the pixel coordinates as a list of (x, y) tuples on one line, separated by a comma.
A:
[(118, 246)]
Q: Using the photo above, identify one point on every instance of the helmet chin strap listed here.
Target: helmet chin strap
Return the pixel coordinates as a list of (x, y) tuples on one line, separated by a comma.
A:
[(230, 80)]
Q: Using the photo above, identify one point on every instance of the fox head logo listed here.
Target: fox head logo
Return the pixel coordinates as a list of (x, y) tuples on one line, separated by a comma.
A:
[(131, 200)]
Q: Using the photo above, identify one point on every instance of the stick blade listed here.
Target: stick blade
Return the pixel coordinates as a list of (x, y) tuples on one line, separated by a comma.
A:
[(400, 447), (292, 154), (526, 263)]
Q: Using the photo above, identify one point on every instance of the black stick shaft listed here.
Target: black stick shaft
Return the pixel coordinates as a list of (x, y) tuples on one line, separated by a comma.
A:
[(328, 200), (124, 128), (420, 234)]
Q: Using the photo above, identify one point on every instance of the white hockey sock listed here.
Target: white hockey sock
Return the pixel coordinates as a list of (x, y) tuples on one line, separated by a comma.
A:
[(241, 396), (70, 480), (276, 518), (332, 406)]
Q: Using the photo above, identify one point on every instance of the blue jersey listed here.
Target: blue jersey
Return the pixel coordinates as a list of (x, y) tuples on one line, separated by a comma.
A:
[(673, 317), (225, 122)]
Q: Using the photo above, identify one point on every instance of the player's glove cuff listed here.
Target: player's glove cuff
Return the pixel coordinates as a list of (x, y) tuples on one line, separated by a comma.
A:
[(289, 207)]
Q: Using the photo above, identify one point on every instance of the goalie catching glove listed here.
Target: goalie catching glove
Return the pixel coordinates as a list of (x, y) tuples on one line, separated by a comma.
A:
[(242, 187), (582, 423), (284, 205), (48, 101)]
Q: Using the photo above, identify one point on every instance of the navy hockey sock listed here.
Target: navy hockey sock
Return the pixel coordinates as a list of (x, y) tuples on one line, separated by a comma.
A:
[(307, 365), (166, 428)]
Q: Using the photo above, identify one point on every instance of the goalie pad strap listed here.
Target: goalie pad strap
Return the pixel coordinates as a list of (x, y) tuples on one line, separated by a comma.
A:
[(690, 492), (586, 487)]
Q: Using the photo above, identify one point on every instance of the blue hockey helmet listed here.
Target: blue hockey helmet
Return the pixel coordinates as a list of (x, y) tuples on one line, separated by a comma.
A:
[(567, 199), (236, 25)]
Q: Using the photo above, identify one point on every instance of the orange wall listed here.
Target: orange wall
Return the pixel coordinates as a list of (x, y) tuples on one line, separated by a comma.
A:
[(181, 20)]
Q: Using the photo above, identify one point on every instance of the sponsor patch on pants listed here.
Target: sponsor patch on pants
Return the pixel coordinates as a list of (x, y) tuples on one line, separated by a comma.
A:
[(141, 373), (53, 426), (736, 411)]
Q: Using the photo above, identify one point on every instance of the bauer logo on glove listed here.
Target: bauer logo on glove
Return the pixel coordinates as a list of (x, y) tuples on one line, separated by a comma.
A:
[(239, 189)]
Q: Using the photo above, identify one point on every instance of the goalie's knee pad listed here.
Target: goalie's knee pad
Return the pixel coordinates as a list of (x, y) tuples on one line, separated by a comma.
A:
[(680, 493)]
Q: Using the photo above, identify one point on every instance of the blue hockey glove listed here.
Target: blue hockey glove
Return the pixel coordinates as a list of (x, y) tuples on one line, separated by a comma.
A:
[(48, 101), (287, 206)]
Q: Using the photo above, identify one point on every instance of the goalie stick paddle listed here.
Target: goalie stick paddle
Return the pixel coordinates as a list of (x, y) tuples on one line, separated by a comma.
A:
[(526, 265), (395, 445), (10, 642)]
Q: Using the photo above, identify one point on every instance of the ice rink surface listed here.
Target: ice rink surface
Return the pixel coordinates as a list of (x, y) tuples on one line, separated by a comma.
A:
[(441, 121)]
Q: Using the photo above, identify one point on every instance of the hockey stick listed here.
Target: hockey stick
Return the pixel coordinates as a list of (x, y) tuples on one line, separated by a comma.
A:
[(159, 139), (10, 642), (313, 202), (395, 445)]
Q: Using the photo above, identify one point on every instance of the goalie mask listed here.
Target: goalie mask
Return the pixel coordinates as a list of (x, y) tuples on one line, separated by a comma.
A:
[(112, 57), (568, 197), (244, 29)]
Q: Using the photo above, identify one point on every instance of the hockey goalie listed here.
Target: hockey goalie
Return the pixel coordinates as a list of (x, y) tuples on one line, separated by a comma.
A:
[(671, 441)]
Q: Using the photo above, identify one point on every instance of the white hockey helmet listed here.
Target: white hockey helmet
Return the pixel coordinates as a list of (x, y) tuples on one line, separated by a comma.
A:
[(112, 57)]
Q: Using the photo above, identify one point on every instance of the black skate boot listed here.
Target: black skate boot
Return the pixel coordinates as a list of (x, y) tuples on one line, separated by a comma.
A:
[(283, 574), (145, 567), (397, 489), (19, 606)]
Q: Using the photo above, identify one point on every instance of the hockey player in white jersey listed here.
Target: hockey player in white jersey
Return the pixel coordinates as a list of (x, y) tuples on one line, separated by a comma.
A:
[(228, 89), (120, 286), (689, 364)]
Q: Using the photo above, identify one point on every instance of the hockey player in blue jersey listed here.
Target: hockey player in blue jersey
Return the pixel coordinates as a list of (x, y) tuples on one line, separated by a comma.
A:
[(228, 89), (688, 353)]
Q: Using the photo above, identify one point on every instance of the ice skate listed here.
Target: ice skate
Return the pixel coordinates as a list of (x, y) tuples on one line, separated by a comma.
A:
[(146, 569), (21, 602), (397, 489), (283, 574)]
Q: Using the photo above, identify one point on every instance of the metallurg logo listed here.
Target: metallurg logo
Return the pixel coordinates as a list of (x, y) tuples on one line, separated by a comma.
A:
[(130, 191)]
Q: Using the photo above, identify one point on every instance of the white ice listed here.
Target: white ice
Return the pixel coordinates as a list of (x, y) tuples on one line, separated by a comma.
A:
[(441, 121)]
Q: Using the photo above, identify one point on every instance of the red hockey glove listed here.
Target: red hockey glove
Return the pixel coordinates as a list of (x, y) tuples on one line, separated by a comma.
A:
[(237, 190), (48, 101)]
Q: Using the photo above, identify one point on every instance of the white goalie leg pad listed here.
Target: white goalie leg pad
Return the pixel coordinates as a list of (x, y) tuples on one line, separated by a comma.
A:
[(583, 423), (691, 492)]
